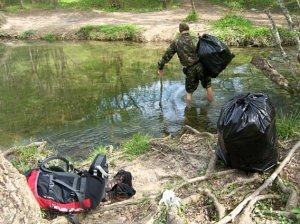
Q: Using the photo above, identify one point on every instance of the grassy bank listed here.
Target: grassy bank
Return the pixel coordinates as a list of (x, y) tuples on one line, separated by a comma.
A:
[(106, 5), (238, 31), (110, 32)]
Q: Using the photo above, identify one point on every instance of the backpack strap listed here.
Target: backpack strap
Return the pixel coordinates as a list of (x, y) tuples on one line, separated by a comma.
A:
[(79, 193), (45, 161)]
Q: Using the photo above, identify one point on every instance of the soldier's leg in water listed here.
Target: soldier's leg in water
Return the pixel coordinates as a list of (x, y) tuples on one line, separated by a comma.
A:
[(210, 95), (206, 83), (191, 84)]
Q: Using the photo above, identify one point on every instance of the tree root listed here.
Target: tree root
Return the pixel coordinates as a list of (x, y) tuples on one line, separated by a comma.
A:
[(211, 165), (219, 207), (239, 208), (245, 216), (243, 181), (293, 195), (205, 177), (202, 134)]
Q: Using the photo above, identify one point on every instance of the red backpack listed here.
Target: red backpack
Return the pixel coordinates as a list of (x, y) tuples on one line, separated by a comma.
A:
[(68, 190)]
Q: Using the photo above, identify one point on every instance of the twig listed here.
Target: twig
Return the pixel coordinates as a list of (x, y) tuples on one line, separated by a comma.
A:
[(270, 180)]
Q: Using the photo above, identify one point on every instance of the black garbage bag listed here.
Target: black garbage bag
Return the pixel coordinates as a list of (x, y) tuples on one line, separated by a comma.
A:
[(213, 54), (247, 133)]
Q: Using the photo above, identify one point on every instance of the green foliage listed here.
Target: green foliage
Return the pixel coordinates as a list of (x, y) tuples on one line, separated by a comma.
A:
[(192, 17), (136, 145), (110, 32), (49, 37), (288, 125), (238, 31), (296, 212), (245, 4)]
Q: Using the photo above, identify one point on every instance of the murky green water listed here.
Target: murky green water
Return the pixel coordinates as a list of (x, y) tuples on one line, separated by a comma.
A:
[(78, 95)]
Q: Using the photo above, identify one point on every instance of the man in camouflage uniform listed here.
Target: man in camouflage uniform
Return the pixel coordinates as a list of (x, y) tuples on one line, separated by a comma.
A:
[(186, 48)]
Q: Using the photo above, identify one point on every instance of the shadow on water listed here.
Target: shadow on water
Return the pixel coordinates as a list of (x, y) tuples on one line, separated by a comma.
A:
[(79, 95)]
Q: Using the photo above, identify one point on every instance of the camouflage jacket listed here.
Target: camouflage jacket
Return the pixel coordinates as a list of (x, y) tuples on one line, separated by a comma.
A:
[(185, 47)]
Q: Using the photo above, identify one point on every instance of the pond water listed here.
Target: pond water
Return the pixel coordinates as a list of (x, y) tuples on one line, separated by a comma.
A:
[(76, 95)]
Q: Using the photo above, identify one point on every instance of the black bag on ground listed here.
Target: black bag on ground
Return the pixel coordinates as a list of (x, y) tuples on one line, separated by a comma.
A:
[(213, 54), (68, 190), (247, 133), (122, 186)]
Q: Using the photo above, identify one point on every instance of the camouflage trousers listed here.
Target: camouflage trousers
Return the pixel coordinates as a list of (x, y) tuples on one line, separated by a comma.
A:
[(195, 74)]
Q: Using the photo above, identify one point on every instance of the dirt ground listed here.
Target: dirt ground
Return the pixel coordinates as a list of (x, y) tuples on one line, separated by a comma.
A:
[(172, 162), (158, 26)]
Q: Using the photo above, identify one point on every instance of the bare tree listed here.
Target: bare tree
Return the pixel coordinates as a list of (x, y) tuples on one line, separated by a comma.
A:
[(286, 81)]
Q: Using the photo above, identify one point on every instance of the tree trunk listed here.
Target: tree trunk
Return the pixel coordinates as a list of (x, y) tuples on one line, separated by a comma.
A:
[(164, 2), (193, 6), (1, 4), (17, 202)]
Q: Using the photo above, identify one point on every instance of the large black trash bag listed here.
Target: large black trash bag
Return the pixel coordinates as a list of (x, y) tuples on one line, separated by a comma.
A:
[(213, 54), (247, 133)]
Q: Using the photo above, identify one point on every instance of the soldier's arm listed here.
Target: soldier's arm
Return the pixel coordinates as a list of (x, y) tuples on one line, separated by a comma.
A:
[(167, 56)]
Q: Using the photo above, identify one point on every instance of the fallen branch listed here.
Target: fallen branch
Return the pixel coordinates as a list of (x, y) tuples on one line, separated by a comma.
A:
[(273, 74), (239, 208)]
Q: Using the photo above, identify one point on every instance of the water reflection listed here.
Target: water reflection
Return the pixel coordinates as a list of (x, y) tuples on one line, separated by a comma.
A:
[(78, 95)]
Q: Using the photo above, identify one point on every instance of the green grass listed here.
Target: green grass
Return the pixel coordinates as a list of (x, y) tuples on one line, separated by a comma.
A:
[(49, 37), (245, 4), (288, 126), (25, 158), (107, 5), (26, 34), (110, 32), (97, 150), (137, 145), (235, 30), (193, 16)]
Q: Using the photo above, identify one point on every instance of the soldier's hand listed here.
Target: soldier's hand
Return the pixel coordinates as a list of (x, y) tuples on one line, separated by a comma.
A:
[(160, 72)]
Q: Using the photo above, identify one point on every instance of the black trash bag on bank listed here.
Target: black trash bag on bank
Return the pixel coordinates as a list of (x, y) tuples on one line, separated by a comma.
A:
[(247, 133), (213, 54)]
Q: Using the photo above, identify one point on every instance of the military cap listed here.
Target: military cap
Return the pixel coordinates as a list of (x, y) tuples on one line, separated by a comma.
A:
[(183, 27)]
